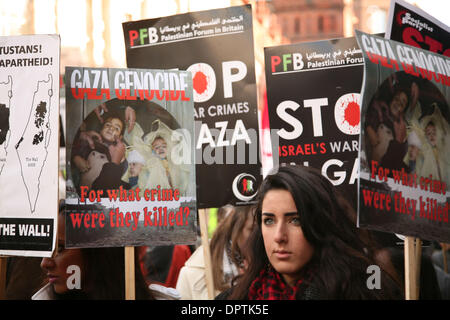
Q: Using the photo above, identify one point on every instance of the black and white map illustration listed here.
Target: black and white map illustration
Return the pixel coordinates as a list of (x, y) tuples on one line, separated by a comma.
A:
[(5, 104), (30, 83), (32, 146)]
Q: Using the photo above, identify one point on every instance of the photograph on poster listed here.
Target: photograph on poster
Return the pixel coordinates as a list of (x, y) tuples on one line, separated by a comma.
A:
[(130, 165)]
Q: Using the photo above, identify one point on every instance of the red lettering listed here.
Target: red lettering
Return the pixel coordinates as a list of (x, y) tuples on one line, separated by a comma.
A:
[(76, 219), (291, 151), (395, 64), (275, 60), (409, 69), (385, 63), (90, 93), (367, 195), (434, 45), (299, 150), (87, 217), (447, 52), (372, 57), (174, 94), (425, 73), (307, 149), (133, 36), (322, 148), (183, 97), (411, 36)]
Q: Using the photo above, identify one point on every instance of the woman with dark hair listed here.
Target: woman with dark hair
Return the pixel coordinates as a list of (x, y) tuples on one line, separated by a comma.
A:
[(228, 246), (305, 244), (101, 272)]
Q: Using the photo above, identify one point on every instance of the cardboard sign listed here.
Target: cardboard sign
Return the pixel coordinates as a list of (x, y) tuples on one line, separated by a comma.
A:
[(314, 103), (405, 117), (130, 159), (216, 46), (415, 27), (29, 115)]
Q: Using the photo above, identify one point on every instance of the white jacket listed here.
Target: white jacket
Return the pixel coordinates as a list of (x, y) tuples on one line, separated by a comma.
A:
[(191, 283)]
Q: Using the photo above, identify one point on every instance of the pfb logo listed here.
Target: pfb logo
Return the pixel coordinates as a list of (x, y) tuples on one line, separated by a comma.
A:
[(287, 62), (244, 187)]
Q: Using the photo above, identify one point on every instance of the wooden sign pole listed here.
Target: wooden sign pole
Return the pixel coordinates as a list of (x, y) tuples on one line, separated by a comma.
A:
[(410, 270), (206, 253), (3, 263), (418, 253), (130, 291)]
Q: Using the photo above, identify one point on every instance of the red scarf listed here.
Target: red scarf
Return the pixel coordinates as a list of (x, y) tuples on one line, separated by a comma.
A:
[(270, 285)]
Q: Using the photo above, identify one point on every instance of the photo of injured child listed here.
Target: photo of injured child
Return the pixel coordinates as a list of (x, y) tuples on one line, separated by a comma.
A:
[(162, 167), (130, 146), (407, 127), (98, 154)]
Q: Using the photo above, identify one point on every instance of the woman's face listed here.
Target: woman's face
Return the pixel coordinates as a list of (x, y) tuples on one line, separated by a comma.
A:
[(56, 266), (286, 247)]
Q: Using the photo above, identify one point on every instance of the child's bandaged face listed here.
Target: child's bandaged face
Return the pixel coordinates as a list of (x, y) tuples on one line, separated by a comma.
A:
[(111, 129), (135, 169), (159, 146), (430, 132), (413, 151)]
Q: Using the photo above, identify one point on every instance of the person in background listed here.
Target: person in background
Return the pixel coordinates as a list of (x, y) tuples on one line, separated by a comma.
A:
[(101, 271), (440, 258), (162, 264), (23, 277), (228, 255), (305, 244), (223, 212)]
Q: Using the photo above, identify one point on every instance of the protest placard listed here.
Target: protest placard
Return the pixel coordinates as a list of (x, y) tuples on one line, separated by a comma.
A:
[(404, 171), (130, 159), (216, 46), (314, 104), (29, 144), (413, 26)]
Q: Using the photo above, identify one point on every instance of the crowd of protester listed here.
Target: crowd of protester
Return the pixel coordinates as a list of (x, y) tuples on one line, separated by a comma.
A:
[(299, 241)]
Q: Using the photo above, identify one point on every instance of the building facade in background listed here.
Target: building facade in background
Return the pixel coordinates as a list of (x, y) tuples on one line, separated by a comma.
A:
[(308, 20)]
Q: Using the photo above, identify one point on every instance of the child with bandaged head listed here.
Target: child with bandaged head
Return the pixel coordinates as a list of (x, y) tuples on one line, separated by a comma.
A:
[(136, 163)]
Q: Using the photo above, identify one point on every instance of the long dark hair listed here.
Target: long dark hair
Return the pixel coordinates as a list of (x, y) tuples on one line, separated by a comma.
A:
[(226, 236), (104, 274), (341, 254)]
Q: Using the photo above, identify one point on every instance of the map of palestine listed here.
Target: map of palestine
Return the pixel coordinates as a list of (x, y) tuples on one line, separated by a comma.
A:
[(32, 146), (5, 99)]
